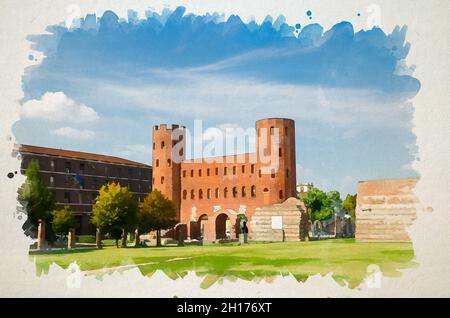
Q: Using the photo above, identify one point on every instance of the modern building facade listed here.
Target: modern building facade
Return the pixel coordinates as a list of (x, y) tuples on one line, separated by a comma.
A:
[(212, 195), (75, 177)]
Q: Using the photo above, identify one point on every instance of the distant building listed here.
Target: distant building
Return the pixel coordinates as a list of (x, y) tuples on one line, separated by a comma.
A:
[(303, 188), (385, 208), (75, 177)]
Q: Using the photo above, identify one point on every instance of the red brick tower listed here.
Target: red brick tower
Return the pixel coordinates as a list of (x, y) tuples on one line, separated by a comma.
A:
[(168, 153), (275, 149)]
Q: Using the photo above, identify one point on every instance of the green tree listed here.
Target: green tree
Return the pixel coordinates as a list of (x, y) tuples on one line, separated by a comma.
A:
[(63, 221), (157, 212), (115, 211), (37, 200), (349, 205), (318, 205)]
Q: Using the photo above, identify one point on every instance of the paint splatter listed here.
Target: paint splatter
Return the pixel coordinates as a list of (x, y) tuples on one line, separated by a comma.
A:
[(10, 175)]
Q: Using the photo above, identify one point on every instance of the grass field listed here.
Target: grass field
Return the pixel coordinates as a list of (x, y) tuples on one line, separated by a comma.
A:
[(347, 259)]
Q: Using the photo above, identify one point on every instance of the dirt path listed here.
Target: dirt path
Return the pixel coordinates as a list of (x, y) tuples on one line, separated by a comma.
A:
[(130, 266)]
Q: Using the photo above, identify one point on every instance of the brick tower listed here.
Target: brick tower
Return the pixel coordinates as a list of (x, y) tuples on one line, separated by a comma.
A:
[(168, 153), (275, 148)]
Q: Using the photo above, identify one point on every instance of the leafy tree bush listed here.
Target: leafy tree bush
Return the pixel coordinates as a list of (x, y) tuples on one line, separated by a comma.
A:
[(115, 210), (156, 213), (63, 221), (37, 200), (349, 205)]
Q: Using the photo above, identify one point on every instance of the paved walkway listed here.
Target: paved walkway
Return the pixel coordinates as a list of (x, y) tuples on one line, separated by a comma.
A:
[(130, 266)]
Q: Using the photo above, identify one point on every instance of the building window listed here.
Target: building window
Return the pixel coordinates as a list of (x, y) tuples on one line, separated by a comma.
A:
[(169, 162), (81, 168), (287, 173), (281, 194), (243, 169), (184, 173), (253, 191), (192, 173), (243, 192), (162, 180), (235, 192), (184, 194), (162, 144), (67, 167), (272, 174), (93, 197), (285, 131), (140, 187), (208, 194), (66, 197), (234, 169), (157, 163), (153, 180), (199, 172), (217, 171), (52, 164), (252, 168), (130, 173), (154, 146), (200, 194), (217, 193), (266, 190), (225, 193), (272, 131), (225, 171), (280, 152), (119, 172), (207, 172), (259, 173), (52, 180), (192, 194), (80, 197)]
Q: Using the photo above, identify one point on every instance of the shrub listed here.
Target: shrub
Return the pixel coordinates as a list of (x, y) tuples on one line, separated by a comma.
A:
[(86, 239)]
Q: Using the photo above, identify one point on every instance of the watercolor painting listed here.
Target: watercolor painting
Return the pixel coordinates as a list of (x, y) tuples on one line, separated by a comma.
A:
[(219, 144)]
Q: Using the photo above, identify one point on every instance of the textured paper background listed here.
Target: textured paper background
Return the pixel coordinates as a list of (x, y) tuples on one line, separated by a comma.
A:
[(429, 26)]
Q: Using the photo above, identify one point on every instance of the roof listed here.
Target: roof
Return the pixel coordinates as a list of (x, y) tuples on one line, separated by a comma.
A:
[(77, 155)]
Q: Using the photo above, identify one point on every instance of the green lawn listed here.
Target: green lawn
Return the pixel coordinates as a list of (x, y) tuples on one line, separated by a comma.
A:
[(347, 259)]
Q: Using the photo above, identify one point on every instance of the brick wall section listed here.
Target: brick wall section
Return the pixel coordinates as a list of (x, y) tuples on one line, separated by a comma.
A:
[(384, 209), (295, 222)]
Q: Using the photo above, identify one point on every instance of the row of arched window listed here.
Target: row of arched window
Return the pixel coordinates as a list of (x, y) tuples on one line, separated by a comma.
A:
[(216, 171), (216, 193)]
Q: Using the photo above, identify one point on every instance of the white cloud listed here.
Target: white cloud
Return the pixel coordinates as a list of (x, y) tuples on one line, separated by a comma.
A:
[(73, 133), (136, 149), (59, 108), (204, 96)]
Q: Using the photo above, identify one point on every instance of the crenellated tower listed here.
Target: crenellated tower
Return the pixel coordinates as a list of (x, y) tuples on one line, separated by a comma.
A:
[(168, 153), (275, 148)]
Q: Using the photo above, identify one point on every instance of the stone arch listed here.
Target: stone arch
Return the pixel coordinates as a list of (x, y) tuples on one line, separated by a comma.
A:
[(223, 226), (199, 227)]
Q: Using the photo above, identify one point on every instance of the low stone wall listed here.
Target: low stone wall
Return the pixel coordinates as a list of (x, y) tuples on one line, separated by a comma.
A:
[(294, 222), (384, 209)]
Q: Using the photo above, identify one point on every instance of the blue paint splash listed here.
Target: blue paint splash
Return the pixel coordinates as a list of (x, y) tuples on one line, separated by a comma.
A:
[(339, 57)]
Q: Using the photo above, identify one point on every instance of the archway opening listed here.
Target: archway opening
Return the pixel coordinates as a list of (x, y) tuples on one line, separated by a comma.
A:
[(223, 227)]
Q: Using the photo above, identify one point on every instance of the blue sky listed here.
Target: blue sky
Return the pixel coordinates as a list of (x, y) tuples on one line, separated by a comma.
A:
[(107, 81)]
